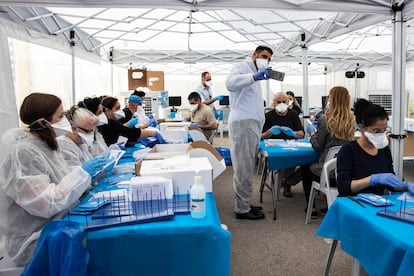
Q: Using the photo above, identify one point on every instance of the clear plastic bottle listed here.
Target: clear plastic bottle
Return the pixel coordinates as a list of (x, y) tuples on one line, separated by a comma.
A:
[(198, 198)]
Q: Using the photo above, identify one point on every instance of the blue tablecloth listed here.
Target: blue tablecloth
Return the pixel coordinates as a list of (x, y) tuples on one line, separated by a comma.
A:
[(383, 246), (181, 246), (283, 157)]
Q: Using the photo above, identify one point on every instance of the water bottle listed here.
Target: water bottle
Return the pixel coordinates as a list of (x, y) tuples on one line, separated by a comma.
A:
[(198, 198)]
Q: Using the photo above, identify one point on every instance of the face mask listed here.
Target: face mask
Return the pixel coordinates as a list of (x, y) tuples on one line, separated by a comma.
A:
[(193, 107), (282, 107), (209, 83), (290, 102), (119, 114), (261, 63), (102, 119), (379, 140), (62, 127), (87, 138)]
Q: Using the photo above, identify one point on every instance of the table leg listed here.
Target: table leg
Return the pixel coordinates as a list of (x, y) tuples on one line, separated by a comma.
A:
[(330, 257), (275, 190), (263, 180)]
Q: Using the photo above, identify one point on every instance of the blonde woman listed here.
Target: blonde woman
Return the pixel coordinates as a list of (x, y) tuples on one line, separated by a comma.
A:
[(335, 128)]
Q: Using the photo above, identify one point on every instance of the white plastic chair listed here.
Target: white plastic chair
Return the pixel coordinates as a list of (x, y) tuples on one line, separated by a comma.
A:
[(197, 135), (324, 186)]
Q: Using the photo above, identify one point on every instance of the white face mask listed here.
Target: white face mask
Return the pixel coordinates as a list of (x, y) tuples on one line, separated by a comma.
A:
[(193, 107), (62, 127), (290, 102), (87, 138), (261, 63), (209, 83), (282, 107), (102, 119), (119, 114), (378, 140)]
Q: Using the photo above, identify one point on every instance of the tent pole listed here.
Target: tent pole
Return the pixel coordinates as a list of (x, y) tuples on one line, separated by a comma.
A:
[(72, 44), (305, 102), (398, 88)]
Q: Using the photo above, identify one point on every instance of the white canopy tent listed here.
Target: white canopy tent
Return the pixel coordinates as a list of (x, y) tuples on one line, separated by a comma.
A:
[(221, 32)]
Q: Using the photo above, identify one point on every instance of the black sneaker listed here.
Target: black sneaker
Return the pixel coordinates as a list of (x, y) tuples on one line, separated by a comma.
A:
[(314, 214), (323, 211), (252, 215), (256, 208)]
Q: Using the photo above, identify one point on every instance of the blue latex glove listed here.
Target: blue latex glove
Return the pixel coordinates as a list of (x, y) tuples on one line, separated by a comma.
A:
[(95, 165), (159, 137), (288, 131), (152, 122), (410, 187), (133, 122), (219, 98), (195, 125), (388, 179), (262, 74), (310, 128), (275, 130)]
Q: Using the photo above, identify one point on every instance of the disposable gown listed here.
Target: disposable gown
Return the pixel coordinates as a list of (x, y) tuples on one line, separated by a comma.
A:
[(99, 146), (74, 155), (35, 186), (246, 121)]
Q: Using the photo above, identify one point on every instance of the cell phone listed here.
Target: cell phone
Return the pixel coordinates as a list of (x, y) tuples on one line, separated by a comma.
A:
[(276, 75)]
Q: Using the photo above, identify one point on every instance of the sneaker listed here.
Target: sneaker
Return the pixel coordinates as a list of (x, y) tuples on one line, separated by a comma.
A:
[(255, 208), (251, 215), (314, 214), (286, 189)]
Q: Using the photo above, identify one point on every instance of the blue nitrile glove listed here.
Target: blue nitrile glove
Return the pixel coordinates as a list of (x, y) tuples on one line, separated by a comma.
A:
[(262, 74), (219, 98), (275, 130), (133, 122), (195, 125), (152, 122), (388, 179), (310, 128), (410, 187), (288, 131), (159, 137), (94, 165)]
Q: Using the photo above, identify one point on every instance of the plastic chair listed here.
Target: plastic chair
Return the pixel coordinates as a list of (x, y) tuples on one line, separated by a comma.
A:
[(197, 135), (324, 185)]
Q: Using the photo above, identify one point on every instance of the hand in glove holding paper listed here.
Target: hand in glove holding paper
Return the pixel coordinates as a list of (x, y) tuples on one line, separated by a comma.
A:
[(95, 165), (388, 179), (288, 131), (262, 74)]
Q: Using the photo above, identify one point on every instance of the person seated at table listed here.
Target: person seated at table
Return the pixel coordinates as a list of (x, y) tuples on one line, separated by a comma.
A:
[(74, 145), (293, 102), (284, 123), (94, 105), (202, 116), (335, 128), (36, 185), (365, 165), (114, 128)]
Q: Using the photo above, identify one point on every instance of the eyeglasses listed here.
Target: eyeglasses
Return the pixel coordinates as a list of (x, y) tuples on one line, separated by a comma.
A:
[(85, 130)]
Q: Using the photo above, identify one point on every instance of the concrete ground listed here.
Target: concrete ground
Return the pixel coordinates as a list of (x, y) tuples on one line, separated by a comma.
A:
[(286, 246)]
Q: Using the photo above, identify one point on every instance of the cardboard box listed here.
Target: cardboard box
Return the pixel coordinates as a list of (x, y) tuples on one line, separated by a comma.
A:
[(195, 149), (182, 173), (409, 145)]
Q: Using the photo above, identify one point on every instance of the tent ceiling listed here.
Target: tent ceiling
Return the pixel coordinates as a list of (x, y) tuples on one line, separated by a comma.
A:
[(180, 36)]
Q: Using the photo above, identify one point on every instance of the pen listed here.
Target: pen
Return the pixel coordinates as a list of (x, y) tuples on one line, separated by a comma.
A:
[(357, 202)]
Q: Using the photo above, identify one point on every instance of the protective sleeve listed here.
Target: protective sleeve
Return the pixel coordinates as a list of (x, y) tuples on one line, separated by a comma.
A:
[(38, 196), (239, 77), (344, 170)]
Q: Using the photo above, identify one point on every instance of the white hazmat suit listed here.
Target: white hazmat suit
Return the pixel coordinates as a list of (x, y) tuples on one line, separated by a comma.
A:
[(246, 121), (35, 187)]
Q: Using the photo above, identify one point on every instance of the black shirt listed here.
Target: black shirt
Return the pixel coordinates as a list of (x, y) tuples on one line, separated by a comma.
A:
[(291, 120), (114, 129)]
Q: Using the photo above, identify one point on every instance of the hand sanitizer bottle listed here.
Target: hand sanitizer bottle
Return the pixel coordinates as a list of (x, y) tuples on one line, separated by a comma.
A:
[(198, 198)]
